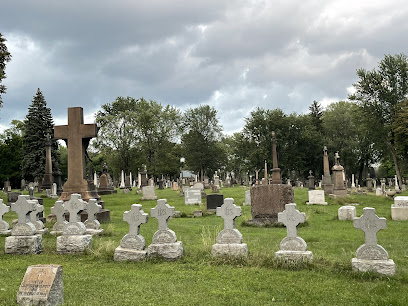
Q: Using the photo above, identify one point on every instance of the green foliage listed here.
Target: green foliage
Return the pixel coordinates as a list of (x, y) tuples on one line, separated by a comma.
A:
[(37, 124), (11, 154), (5, 57)]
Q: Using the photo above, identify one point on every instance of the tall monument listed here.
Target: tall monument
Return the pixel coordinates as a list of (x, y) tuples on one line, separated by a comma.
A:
[(48, 178), (276, 175), (338, 178), (327, 183)]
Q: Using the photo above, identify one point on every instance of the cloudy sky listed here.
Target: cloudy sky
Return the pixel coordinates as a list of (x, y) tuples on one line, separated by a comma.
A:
[(233, 55)]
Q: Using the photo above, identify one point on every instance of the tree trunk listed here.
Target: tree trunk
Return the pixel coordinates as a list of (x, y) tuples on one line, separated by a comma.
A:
[(397, 168)]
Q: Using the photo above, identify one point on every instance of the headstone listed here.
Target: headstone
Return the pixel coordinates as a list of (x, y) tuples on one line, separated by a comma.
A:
[(316, 197), (24, 238), (132, 246), (122, 180), (74, 239), (23, 185), (48, 179), (327, 183), (293, 247), (175, 186), (93, 227), (347, 213), (143, 178), (247, 197), (58, 210), (371, 256), (54, 192), (31, 192), (369, 184), (197, 213), (164, 242), (311, 181), (4, 226), (229, 240), (41, 285), (35, 219), (199, 186), (12, 197), (192, 196), (339, 190), (214, 201), (378, 192), (399, 210), (276, 175), (104, 187), (353, 185), (148, 193), (216, 180)]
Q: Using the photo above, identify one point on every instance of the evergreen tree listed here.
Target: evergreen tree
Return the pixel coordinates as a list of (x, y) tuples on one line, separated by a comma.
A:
[(4, 57), (37, 124)]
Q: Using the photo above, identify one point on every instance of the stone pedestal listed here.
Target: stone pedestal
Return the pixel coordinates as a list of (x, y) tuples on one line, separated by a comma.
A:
[(385, 267), (58, 228), (23, 244), (167, 251), (294, 256), (328, 188), (346, 213), (399, 210), (132, 248), (73, 243), (230, 250)]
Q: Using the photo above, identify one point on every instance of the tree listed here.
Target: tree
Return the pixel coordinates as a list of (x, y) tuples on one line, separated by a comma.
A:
[(37, 124), (380, 94), (5, 57), (11, 154)]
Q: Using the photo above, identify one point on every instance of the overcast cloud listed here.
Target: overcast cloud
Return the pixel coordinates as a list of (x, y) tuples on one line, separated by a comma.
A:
[(233, 55)]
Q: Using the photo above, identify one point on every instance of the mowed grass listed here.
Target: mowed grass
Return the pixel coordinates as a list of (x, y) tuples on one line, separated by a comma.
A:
[(197, 279)]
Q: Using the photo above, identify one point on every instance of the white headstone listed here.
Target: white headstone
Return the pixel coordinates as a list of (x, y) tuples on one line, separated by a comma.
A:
[(58, 210), (92, 224), (192, 196), (122, 180), (399, 210), (148, 193), (347, 213), (247, 197), (316, 197), (4, 226)]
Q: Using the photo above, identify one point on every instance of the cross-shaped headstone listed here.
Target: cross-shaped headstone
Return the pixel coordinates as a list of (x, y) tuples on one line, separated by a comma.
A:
[(75, 206), (23, 207), (92, 209), (34, 214), (135, 217), (370, 224), (291, 218), (310, 172), (77, 135), (229, 211), (337, 158), (58, 211), (3, 209), (162, 212)]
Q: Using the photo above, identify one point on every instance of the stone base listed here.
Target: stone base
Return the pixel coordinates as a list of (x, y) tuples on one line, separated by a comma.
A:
[(263, 221), (347, 213), (399, 213), (294, 256), (42, 231), (5, 233), (149, 198), (167, 251), (73, 243), (93, 232), (56, 233), (102, 216), (328, 188), (336, 196), (385, 267), (23, 245), (122, 254), (324, 203), (108, 191), (230, 250)]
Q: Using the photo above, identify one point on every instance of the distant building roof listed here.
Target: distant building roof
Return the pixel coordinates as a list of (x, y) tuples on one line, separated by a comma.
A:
[(187, 173)]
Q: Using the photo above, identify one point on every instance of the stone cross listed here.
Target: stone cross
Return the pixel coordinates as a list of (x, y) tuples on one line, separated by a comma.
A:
[(3, 209), (291, 218), (229, 211), (23, 207), (162, 212), (58, 211), (92, 209), (34, 214), (337, 158), (310, 172), (370, 224), (77, 135), (75, 206), (135, 217)]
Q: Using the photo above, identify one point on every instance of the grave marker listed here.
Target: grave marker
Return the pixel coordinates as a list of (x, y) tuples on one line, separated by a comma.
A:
[(35, 219), (399, 210), (148, 193), (4, 226), (92, 225), (58, 210)]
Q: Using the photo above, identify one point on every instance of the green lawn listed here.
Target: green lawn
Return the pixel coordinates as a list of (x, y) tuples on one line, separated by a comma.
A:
[(197, 279)]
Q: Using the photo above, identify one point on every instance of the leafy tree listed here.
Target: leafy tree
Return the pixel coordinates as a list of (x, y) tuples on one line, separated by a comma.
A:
[(380, 94), (5, 57), (11, 154), (316, 113), (37, 124)]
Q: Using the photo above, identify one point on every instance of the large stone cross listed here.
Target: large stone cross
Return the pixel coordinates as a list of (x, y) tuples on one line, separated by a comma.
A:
[(291, 218), (229, 211), (135, 217), (3, 209), (162, 212), (23, 207), (370, 224), (58, 210), (77, 135), (337, 158), (75, 206), (92, 209)]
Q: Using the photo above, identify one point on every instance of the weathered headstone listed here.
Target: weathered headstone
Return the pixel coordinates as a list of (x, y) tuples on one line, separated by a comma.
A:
[(229, 240), (316, 197), (399, 210), (58, 210), (175, 186), (4, 226), (347, 213), (74, 239), (311, 181), (132, 246), (199, 186), (12, 197), (247, 198), (192, 196), (41, 285), (148, 193), (93, 227), (214, 201), (24, 238), (54, 191), (35, 219), (338, 178), (293, 247), (164, 242), (327, 183), (378, 192), (371, 256)]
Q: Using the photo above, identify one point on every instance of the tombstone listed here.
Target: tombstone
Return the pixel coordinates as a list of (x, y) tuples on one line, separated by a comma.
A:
[(128, 181), (104, 187), (293, 247), (77, 135), (148, 193), (327, 183), (54, 191), (316, 197), (132, 246), (161, 184), (35, 219), (247, 198), (369, 184), (216, 180), (347, 213), (370, 256), (399, 210), (143, 178), (12, 197), (192, 196), (353, 185), (48, 193), (378, 192), (311, 181), (214, 188), (41, 285), (48, 179), (24, 238), (93, 227), (7, 186), (23, 185), (122, 180), (175, 186), (229, 240), (4, 226), (74, 238), (58, 210), (338, 179), (164, 242), (31, 192), (95, 179), (197, 213), (199, 186), (151, 182), (214, 201)]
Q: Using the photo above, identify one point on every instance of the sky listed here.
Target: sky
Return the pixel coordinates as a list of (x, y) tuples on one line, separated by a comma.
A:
[(232, 55)]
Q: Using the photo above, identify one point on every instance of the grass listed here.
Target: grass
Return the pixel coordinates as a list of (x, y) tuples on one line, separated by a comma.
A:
[(198, 279)]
